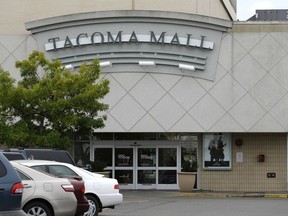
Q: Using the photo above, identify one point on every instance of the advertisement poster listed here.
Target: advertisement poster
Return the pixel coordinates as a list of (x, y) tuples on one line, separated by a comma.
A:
[(217, 151)]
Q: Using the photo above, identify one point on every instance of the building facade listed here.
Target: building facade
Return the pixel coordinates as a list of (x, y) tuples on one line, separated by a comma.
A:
[(188, 83)]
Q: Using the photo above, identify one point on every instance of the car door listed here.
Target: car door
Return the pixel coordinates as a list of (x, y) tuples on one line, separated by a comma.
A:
[(10, 186), (3, 184), (28, 186)]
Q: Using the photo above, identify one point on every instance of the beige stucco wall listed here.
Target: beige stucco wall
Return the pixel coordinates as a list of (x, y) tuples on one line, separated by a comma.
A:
[(15, 13), (249, 93), (250, 175)]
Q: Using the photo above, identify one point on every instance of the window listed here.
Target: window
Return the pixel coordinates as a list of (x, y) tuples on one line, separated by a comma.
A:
[(3, 170), (124, 157), (103, 155), (23, 176), (39, 168), (167, 157), (58, 171)]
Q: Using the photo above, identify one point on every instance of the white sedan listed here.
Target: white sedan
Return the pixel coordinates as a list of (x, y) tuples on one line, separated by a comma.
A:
[(45, 194), (101, 192)]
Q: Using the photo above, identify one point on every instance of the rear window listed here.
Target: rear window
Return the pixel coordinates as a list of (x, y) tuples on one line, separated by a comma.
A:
[(3, 170), (12, 156), (59, 171)]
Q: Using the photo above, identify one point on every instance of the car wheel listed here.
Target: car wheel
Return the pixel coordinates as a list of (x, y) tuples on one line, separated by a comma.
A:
[(93, 206), (36, 209)]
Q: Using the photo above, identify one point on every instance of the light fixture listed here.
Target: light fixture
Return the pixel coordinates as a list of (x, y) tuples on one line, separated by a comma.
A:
[(69, 67), (105, 64), (146, 63), (187, 67)]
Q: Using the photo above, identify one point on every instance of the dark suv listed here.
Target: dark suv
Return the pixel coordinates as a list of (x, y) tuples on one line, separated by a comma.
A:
[(41, 154), (13, 155), (11, 189)]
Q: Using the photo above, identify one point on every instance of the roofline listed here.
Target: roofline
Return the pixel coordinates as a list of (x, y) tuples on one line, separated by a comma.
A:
[(230, 9)]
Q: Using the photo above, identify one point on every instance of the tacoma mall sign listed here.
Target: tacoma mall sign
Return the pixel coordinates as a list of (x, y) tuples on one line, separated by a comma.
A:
[(169, 46)]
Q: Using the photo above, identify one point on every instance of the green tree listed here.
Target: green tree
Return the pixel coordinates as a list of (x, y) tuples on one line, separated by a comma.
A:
[(50, 105)]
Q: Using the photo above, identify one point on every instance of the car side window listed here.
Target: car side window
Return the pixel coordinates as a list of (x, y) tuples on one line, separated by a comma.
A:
[(3, 170), (57, 170), (40, 168), (23, 176)]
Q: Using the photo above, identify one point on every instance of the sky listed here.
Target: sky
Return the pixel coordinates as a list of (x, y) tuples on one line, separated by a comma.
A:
[(247, 8)]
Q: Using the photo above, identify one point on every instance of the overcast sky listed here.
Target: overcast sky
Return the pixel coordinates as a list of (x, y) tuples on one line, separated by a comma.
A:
[(247, 8)]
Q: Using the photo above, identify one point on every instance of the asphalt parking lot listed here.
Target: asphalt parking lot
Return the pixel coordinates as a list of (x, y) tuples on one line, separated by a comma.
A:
[(174, 203)]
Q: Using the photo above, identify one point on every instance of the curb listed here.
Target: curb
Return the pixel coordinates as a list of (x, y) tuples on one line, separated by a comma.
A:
[(211, 195), (276, 196), (227, 195)]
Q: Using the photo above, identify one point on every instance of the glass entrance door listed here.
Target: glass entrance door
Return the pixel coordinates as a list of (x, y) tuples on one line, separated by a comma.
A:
[(168, 157), (145, 166), (124, 166), (135, 167)]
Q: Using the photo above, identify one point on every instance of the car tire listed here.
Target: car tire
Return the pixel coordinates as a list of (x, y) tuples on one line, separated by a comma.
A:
[(93, 206), (37, 208)]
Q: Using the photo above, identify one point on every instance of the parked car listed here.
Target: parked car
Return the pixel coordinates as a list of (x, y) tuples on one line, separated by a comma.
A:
[(79, 191), (101, 192), (44, 154), (13, 155), (11, 189), (45, 194)]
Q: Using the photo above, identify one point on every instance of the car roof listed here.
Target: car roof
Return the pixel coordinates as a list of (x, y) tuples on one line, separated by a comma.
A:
[(44, 154), (46, 162), (48, 154), (40, 162), (34, 174)]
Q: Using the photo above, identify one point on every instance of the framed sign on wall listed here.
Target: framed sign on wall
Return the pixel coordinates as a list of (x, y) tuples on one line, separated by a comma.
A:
[(217, 151)]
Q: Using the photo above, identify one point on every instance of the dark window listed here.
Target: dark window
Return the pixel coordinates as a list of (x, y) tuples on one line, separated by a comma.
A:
[(103, 136), (103, 155), (135, 136), (124, 157), (167, 157), (3, 170), (12, 156), (167, 176), (124, 176)]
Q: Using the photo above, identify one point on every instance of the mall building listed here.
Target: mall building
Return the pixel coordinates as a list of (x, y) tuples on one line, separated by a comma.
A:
[(188, 83)]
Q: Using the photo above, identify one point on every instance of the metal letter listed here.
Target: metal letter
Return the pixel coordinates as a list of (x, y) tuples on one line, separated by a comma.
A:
[(53, 40), (79, 36), (175, 40), (133, 38), (93, 36), (202, 41), (68, 43), (110, 37), (153, 38), (188, 39)]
